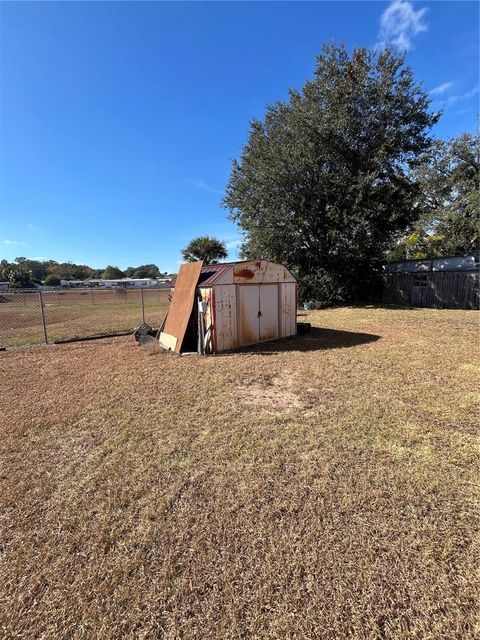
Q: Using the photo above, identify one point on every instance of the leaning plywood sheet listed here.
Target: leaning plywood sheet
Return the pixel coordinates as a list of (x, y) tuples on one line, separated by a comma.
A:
[(182, 303)]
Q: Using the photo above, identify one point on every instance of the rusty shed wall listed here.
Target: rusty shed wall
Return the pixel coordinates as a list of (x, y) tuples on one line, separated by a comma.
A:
[(222, 315), (225, 317), (288, 309)]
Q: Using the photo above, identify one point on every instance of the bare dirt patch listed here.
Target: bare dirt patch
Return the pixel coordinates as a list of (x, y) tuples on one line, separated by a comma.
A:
[(272, 393)]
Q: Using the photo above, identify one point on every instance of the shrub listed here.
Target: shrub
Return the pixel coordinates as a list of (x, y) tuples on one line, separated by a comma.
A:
[(52, 281)]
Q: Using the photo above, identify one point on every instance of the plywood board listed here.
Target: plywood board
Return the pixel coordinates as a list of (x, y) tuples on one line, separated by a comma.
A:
[(182, 302)]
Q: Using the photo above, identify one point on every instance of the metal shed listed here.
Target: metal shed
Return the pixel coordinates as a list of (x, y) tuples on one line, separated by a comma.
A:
[(237, 304), (247, 302)]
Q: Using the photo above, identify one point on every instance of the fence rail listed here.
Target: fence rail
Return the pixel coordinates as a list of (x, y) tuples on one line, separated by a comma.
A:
[(33, 316)]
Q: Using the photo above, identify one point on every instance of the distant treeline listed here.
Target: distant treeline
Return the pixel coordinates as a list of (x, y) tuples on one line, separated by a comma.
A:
[(23, 272)]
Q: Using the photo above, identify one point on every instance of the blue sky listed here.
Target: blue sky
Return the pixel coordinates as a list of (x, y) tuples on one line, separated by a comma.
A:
[(119, 120)]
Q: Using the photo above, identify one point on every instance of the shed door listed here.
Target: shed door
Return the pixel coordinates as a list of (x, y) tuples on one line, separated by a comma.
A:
[(249, 326), (419, 290), (268, 312), (258, 318)]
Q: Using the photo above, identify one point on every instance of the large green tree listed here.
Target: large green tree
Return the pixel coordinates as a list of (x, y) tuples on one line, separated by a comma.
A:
[(324, 183), (450, 179), (449, 203), (205, 248)]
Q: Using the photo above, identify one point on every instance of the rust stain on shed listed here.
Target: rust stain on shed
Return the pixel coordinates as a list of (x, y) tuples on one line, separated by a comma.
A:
[(245, 273), (271, 334)]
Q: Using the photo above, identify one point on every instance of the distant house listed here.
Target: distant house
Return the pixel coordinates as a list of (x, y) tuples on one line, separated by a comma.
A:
[(118, 283), (4, 286)]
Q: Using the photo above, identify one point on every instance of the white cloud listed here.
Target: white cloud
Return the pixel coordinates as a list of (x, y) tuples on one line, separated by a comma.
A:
[(201, 184), (442, 88), (462, 96), (12, 242), (233, 244), (399, 23), (471, 93), (30, 226)]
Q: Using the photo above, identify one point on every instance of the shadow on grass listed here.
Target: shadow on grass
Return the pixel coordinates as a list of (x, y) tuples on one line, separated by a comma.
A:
[(315, 340)]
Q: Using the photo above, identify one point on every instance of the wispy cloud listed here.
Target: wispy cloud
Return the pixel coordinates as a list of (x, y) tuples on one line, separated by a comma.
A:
[(399, 23), (442, 88), (201, 184), (467, 94), (233, 244), (11, 242), (456, 98), (30, 226)]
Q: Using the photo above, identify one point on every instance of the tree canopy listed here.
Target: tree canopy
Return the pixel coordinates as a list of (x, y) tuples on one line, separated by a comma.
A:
[(205, 248), (24, 272), (146, 271), (13, 273), (449, 175), (112, 273), (324, 182)]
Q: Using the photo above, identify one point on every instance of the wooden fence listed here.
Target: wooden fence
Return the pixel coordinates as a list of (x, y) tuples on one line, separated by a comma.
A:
[(439, 289)]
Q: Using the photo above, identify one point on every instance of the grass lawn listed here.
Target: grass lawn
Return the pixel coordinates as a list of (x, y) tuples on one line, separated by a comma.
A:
[(318, 487)]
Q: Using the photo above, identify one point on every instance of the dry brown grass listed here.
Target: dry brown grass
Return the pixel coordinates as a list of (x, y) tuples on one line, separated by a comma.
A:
[(164, 497), (70, 314)]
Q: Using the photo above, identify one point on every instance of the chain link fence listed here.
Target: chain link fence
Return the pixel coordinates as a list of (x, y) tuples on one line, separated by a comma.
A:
[(33, 316)]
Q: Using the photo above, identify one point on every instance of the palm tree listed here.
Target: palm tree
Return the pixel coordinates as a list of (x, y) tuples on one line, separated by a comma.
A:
[(205, 248)]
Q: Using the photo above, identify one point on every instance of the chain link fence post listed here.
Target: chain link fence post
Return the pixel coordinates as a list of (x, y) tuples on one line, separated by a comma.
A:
[(143, 305), (91, 295), (42, 311)]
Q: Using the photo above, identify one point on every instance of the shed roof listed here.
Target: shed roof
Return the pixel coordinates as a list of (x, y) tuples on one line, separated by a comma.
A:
[(212, 273)]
